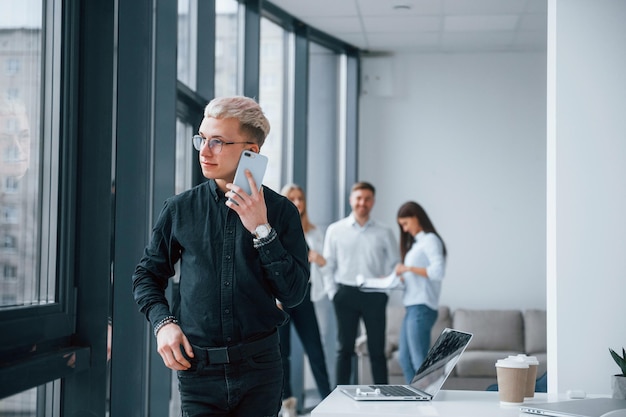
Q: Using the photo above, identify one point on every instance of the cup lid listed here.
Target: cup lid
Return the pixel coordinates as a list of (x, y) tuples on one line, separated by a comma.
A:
[(531, 360), (512, 362)]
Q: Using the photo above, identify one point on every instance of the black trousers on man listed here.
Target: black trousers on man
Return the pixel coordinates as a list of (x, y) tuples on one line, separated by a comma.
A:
[(351, 305)]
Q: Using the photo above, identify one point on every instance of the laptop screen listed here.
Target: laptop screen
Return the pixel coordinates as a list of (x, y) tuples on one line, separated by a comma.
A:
[(440, 361)]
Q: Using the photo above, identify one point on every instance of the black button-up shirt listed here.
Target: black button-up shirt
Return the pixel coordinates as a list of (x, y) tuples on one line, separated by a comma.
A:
[(228, 289)]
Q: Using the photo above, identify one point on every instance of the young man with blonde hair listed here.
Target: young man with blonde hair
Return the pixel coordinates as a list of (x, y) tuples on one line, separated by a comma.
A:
[(238, 253)]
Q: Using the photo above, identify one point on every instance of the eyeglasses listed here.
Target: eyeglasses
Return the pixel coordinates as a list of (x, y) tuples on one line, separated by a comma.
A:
[(215, 145)]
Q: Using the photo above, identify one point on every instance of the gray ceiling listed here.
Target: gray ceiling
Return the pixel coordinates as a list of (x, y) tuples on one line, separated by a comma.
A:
[(428, 25)]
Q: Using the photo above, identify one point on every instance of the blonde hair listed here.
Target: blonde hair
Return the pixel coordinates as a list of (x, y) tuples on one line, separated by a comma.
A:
[(304, 217), (247, 111)]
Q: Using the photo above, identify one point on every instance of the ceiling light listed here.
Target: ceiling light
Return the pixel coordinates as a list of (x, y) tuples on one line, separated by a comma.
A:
[(402, 7)]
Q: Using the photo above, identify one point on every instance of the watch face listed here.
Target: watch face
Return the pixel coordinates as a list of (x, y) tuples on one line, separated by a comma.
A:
[(262, 231)]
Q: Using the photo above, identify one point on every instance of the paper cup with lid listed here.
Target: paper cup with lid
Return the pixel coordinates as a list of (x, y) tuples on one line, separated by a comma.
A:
[(531, 378), (512, 373)]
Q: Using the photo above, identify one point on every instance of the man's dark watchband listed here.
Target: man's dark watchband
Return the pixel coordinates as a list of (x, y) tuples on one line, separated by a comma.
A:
[(236, 353)]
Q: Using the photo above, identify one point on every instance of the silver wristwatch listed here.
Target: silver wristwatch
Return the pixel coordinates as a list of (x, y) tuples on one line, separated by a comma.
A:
[(262, 231)]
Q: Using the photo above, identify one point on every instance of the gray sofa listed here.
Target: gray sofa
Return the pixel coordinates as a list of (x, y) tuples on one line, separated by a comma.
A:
[(497, 334)]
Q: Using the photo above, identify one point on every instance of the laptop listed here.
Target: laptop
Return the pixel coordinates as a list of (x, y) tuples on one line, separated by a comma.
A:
[(589, 407), (428, 379)]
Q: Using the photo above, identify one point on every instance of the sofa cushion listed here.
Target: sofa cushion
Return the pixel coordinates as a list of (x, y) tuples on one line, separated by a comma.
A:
[(393, 365), (543, 363), (395, 315), (535, 331), (480, 363), (494, 330), (444, 319)]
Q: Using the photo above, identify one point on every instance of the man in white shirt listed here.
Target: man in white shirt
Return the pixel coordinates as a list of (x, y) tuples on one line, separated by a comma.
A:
[(358, 245)]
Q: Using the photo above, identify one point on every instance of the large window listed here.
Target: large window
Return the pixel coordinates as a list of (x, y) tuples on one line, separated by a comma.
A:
[(187, 41), (326, 143), (90, 146), (274, 86), (227, 48), (27, 165), (31, 281)]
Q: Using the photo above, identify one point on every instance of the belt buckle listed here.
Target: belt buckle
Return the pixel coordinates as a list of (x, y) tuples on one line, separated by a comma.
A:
[(218, 355)]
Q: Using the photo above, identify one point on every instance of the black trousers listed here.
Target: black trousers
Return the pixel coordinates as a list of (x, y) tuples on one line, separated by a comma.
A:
[(351, 305), (304, 320)]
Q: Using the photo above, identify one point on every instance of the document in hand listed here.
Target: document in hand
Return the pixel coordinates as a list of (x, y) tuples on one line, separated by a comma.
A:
[(376, 283)]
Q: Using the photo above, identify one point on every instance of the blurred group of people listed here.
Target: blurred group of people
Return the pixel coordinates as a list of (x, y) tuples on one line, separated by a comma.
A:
[(359, 245), (254, 266)]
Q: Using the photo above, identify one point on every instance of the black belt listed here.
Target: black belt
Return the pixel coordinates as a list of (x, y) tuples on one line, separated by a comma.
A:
[(236, 353)]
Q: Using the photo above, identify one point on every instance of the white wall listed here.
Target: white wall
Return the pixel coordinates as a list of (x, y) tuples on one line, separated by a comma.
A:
[(587, 192), (464, 136)]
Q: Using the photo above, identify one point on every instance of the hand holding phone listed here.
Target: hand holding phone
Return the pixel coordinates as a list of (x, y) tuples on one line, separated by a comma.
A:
[(254, 162)]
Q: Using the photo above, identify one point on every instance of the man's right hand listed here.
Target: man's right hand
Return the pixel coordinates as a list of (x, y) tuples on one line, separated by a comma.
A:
[(170, 338)]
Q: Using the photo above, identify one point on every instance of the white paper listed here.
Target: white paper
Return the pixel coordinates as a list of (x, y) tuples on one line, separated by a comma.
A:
[(378, 283)]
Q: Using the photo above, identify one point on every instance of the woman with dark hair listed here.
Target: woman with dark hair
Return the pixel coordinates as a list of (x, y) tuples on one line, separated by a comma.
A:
[(423, 256)]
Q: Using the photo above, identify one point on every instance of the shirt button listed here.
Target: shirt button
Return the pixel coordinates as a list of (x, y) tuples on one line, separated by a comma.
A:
[(228, 339), (228, 257), (227, 283), (227, 311)]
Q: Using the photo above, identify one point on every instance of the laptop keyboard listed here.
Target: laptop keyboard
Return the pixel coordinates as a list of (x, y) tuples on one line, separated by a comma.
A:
[(394, 390)]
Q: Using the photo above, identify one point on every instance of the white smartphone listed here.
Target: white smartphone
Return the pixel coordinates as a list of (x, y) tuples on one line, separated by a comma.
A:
[(256, 163)]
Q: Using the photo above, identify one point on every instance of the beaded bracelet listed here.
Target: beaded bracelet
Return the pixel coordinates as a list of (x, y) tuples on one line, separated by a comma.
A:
[(163, 322), (264, 241)]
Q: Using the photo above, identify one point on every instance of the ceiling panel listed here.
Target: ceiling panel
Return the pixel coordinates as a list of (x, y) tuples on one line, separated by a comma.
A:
[(471, 7), (428, 25), (480, 23), (387, 24)]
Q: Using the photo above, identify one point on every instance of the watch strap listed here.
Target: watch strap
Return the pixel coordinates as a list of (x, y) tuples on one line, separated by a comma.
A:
[(265, 240)]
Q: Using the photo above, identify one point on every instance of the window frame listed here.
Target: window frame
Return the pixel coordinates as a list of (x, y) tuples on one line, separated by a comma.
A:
[(48, 326), (22, 325)]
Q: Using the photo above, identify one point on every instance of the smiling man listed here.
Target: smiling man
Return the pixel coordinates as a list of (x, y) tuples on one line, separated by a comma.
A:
[(236, 259), (358, 245)]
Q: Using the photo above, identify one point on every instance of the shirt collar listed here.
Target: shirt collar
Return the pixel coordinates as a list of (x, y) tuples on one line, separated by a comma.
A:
[(353, 222), (216, 193), (420, 234)]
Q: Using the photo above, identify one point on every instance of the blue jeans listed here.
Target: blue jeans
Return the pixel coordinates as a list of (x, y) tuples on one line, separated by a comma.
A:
[(415, 338), (251, 387)]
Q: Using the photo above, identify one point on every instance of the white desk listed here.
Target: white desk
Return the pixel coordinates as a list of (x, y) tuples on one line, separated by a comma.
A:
[(445, 404)]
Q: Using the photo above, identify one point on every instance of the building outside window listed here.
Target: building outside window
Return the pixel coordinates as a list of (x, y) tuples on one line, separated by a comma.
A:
[(29, 172)]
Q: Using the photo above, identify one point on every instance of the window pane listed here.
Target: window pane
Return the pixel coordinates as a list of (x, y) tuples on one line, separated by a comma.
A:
[(35, 402), (274, 83), (324, 134), (23, 154), (187, 20), (184, 156), (226, 47)]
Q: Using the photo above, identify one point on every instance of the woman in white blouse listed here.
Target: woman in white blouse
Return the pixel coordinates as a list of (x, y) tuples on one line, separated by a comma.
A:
[(303, 317), (423, 255)]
